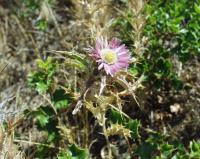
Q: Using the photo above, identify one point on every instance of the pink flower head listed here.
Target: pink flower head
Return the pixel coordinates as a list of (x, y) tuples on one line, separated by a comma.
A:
[(112, 56)]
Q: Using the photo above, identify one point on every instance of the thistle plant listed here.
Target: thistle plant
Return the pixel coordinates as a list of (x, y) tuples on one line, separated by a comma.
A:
[(114, 58)]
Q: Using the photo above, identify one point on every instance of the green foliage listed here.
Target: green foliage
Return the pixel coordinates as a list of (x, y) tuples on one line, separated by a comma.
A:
[(145, 151), (42, 24), (133, 71), (130, 124), (159, 146), (31, 4), (46, 120), (156, 146), (42, 117), (42, 79), (46, 123), (60, 99), (133, 125), (74, 152), (173, 31), (176, 23), (47, 117), (31, 7)]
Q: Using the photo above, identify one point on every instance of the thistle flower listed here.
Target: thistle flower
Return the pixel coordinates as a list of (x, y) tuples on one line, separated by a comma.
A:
[(111, 56)]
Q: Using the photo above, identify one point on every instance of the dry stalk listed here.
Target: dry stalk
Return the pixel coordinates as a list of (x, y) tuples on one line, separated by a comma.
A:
[(7, 147), (48, 15), (95, 16), (138, 23)]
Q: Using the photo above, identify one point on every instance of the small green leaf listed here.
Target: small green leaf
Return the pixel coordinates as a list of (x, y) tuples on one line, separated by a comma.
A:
[(42, 79), (41, 87), (42, 24), (42, 117), (167, 149), (51, 136), (145, 150), (61, 99), (64, 155), (74, 152), (133, 125), (78, 153), (116, 117), (195, 146), (158, 75), (197, 8), (133, 71)]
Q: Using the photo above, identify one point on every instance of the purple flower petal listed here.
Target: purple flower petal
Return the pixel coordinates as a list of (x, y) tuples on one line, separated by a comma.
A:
[(111, 56)]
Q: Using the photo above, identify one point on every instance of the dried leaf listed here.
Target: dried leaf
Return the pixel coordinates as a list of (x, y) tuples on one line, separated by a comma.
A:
[(66, 133), (116, 129)]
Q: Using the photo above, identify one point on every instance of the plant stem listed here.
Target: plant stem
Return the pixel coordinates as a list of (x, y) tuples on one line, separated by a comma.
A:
[(107, 140)]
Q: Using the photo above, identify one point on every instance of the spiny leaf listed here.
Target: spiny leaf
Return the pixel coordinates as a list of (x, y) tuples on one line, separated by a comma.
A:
[(116, 117), (116, 129), (97, 112), (133, 125), (102, 107)]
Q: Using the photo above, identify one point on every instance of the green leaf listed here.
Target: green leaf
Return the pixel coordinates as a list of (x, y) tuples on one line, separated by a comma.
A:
[(73, 152), (195, 146), (145, 151), (42, 117), (42, 79), (116, 117), (167, 150), (42, 24), (197, 8), (78, 153), (64, 155), (51, 136), (133, 71), (46, 120), (61, 99), (158, 75), (41, 87), (133, 125), (177, 83), (130, 124), (44, 64)]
